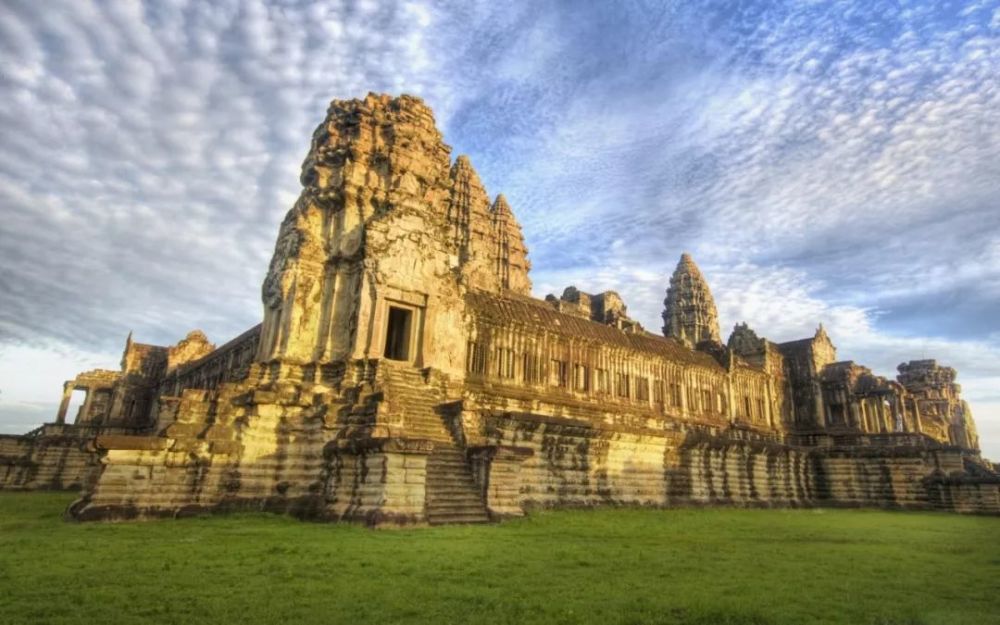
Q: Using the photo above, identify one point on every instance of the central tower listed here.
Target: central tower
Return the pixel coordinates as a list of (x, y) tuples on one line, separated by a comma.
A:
[(689, 313), (374, 258), (363, 267)]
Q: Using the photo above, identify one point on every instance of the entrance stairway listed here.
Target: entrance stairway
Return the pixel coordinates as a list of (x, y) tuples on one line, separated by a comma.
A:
[(452, 495)]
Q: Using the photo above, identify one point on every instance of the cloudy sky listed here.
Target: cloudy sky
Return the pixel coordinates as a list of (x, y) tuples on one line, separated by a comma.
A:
[(834, 162)]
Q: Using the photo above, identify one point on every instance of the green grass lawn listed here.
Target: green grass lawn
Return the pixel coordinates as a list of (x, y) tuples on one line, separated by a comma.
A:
[(600, 566)]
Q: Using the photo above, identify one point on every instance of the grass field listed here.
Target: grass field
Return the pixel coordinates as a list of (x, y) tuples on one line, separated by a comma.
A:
[(601, 566)]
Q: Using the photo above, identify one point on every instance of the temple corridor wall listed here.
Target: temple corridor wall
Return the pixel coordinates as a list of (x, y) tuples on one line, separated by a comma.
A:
[(528, 347), (54, 457), (561, 463)]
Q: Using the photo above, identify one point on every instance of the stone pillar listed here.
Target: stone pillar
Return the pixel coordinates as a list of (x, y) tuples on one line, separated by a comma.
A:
[(730, 411), (886, 416), (85, 410), (64, 404), (916, 416), (685, 384), (820, 417), (769, 402)]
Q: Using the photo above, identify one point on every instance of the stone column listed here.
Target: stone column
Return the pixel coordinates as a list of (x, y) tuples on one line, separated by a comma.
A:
[(685, 385), (820, 417), (85, 411), (64, 404), (769, 402), (916, 416), (730, 413)]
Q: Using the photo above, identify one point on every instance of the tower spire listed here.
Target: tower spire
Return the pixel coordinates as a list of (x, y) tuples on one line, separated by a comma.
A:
[(689, 312), (512, 264)]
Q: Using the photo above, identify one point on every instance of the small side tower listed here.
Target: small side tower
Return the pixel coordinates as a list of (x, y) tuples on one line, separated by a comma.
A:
[(512, 264), (689, 313), (470, 219)]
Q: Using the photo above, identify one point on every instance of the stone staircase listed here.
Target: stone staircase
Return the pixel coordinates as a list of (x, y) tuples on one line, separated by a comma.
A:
[(452, 495)]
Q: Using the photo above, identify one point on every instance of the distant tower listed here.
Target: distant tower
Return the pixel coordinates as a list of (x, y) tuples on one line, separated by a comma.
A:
[(689, 313)]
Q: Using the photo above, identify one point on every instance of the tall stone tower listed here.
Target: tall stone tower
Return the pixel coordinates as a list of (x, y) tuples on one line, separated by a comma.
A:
[(471, 225), (373, 259), (364, 266), (689, 313), (492, 254), (512, 263)]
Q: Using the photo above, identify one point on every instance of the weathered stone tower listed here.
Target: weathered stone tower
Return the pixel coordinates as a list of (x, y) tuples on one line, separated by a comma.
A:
[(511, 257), (689, 313), (367, 242), (492, 254), (936, 403)]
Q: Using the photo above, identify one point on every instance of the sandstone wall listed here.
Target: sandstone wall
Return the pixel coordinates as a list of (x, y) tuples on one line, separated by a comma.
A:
[(573, 464), (57, 460), (561, 463), (315, 450)]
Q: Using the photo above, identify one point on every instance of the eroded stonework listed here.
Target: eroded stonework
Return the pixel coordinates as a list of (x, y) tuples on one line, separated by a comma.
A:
[(403, 373)]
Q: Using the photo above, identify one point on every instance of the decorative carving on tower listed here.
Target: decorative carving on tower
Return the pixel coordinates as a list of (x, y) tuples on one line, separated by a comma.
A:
[(470, 222), (689, 312), (511, 254)]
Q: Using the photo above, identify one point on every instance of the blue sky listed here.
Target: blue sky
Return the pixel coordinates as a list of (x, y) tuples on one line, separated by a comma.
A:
[(834, 162)]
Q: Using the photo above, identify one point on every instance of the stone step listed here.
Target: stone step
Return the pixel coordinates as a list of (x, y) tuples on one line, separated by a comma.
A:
[(453, 474), (446, 487), (452, 495), (448, 474), (458, 518), (451, 485), (450, 507), (454, 503), (447, 461)]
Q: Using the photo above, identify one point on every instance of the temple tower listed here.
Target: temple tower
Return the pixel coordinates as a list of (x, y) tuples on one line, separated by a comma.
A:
[(470, 221), (511, 256), (364, 266), (689, 313)]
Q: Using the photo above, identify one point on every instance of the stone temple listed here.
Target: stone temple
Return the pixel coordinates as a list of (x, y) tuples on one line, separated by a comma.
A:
[(403, 373)]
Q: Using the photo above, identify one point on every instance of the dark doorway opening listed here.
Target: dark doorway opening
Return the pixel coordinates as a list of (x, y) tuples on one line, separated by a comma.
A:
[(397, 337)]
